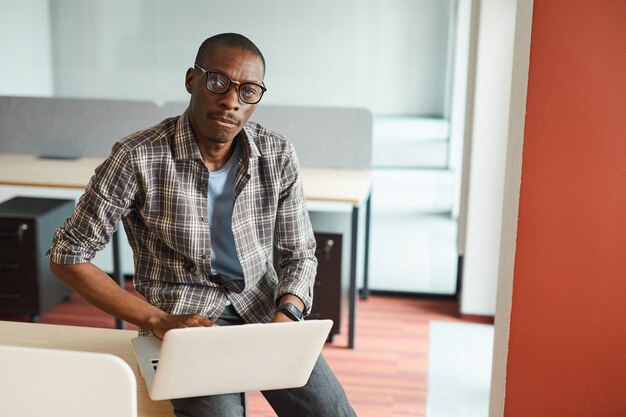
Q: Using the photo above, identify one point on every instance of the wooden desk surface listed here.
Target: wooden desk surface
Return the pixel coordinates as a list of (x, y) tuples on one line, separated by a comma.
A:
[(30, 170), (336, 184), (320, 184), (87, 339)]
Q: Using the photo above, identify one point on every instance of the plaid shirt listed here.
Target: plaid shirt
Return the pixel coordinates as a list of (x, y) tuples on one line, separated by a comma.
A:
[(155, 181)]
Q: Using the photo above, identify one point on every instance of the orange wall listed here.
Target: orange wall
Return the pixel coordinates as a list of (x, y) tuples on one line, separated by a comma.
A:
[(567, 348)]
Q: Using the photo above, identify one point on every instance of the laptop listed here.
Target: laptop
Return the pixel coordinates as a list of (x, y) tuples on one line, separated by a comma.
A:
[(198, 361), (38, 382)]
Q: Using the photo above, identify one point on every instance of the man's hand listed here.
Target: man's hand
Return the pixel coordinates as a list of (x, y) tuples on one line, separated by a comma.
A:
[(170, 321)]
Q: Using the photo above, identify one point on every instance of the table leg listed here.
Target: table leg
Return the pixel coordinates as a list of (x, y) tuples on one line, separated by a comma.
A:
[(353, 287), (118, 274), (365, 292)]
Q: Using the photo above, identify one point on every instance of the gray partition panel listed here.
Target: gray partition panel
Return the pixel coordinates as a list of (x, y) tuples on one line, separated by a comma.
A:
[(323, 137), (66, 127), (173, 108)]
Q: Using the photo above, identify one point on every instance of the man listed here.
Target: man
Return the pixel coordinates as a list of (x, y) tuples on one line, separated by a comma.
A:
[(204, 198)]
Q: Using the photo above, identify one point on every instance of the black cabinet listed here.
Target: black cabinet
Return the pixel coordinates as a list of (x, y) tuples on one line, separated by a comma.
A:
[(27, 226), (330, 292)]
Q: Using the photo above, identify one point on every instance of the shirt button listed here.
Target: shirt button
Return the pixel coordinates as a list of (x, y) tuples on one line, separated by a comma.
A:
[(205, 257), (204, 219)]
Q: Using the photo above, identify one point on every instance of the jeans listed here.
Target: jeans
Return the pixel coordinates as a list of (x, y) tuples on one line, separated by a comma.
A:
[(322, 396)]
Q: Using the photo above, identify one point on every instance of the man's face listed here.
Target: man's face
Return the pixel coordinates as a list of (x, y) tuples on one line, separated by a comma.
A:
[(218, 118)]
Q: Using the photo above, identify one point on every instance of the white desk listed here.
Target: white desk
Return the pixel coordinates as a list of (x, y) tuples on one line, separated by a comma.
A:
[(338, 189), (85, 339)]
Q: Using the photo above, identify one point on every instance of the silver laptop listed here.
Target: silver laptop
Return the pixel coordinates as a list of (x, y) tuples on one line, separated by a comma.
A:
[(199, 361)]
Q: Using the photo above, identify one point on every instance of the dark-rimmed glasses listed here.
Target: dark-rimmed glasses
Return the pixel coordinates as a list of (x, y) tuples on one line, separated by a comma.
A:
[(218, 83)]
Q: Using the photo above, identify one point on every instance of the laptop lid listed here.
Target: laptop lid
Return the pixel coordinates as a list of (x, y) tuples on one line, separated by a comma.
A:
[(39, 382), (199, 361)]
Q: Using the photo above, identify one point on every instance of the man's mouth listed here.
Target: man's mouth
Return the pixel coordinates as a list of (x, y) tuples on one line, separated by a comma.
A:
[(225, 120)]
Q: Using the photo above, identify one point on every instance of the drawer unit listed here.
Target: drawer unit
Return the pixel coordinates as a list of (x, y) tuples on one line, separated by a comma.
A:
[(27, 226), (330, 296)]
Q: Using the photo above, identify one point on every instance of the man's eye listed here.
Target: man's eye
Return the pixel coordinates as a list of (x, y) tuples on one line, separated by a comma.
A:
[(249, 91), (217, 82)]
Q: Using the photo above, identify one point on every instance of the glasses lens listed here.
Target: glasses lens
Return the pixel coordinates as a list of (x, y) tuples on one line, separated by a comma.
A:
[(250, 93), (216, 82)]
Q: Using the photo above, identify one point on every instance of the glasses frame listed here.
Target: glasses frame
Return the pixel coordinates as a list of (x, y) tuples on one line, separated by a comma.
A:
[(232, 83)]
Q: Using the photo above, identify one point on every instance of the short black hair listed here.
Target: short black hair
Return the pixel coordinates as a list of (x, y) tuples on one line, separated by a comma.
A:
[(232, 40)]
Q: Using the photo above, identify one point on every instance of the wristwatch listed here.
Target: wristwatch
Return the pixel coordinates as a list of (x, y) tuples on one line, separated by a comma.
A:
[(291, 311)]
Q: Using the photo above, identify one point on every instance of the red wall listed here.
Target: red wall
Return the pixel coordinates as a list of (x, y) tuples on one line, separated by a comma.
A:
[(567, 349)]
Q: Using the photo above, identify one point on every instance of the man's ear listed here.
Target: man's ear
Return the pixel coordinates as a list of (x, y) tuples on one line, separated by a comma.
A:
[(189, 78)]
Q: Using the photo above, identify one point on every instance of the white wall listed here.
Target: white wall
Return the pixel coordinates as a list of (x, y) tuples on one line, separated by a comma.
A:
[(386, 55), (25, 48), (487, 163), (515, 143), (461, 104)]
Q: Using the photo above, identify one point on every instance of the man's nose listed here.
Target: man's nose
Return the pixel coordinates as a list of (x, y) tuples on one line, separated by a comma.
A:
[(230, 99)]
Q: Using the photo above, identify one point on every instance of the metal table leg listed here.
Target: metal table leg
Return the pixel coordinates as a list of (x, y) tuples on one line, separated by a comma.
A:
[(118, 274), (353, 286), (365, 292)]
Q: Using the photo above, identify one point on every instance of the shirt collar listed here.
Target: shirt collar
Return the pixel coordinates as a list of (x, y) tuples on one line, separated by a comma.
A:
[(185, 146), (249, 148)]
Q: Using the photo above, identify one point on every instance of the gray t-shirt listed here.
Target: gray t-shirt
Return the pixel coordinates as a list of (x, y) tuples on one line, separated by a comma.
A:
[(224, 259)]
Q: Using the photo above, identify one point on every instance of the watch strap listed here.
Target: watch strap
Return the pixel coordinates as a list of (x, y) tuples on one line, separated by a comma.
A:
[(291, 311)]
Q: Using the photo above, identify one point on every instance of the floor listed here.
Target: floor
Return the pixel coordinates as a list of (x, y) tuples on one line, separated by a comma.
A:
[(387, 374)]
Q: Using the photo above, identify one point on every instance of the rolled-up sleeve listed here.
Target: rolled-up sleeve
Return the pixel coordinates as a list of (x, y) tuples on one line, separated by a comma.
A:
[(109, 196)]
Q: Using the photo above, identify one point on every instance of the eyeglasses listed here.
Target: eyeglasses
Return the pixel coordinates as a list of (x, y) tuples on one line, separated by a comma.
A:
[(218, 83)]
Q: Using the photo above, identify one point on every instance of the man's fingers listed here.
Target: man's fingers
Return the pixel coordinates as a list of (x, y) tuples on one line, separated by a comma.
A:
[(196, 320), (181, 322), (203, 321)]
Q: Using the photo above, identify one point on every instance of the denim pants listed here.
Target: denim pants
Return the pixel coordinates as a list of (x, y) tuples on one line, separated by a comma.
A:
[(322, 396)]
